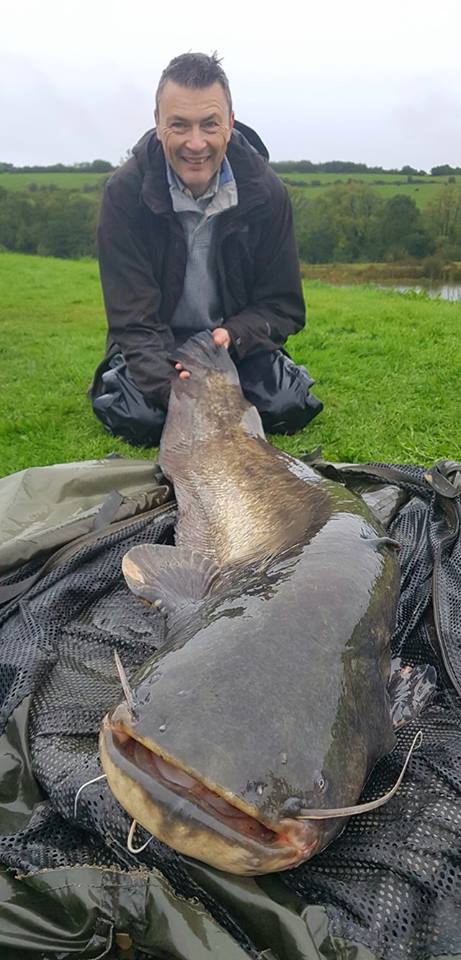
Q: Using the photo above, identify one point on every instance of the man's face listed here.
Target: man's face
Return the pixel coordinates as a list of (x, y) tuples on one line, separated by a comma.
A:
[(194, 128)]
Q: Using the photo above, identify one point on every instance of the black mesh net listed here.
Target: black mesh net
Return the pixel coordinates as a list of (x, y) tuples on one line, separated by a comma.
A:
[(392, 881)]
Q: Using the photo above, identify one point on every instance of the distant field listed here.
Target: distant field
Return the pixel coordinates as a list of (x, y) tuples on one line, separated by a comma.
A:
[(422, 189), (388, 368), (368, 178), (19, 182), (387, 185)]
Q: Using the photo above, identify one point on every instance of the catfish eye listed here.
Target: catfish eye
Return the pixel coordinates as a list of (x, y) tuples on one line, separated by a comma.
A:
[(320, 782)]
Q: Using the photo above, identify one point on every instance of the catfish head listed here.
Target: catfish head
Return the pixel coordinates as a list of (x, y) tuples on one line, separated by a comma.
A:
[(236, 760)]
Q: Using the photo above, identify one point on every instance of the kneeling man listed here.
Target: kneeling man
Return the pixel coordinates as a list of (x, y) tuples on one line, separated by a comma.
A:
[(196, 233)]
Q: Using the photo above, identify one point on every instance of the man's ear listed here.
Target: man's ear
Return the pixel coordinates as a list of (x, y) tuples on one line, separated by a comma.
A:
[(232, 119)]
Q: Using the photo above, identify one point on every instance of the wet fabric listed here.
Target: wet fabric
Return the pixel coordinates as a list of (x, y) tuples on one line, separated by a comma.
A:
[(388, 888), (278, 388), (44, 508)]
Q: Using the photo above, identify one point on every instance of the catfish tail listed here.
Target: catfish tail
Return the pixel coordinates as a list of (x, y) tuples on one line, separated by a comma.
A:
[(200, 355), (204, 408)]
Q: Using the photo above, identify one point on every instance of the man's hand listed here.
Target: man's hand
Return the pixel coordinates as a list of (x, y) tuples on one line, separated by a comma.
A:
[(221, 338)]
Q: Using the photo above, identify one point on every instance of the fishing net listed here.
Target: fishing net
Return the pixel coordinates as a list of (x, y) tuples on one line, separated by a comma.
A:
[(391, 882)]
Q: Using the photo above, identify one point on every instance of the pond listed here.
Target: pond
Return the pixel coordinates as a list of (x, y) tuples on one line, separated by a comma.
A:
[(444, 291)]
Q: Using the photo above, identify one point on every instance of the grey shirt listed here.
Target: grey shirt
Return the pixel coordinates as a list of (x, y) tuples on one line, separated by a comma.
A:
[(199, 307)]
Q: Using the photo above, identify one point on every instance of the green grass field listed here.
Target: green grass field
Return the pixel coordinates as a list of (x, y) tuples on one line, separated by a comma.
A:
[(422, 190), (19, 182), (388, 368)]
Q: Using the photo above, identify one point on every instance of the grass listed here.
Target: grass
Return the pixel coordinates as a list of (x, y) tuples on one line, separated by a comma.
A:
[(421, 190), (326, 179), (19, 182), (387, 366)]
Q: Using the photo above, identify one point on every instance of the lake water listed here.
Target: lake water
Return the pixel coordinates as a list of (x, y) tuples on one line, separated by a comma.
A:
[(445, 291)]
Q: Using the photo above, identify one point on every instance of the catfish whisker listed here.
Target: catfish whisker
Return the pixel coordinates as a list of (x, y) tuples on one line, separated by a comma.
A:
[(124, 681), (103, 776), (129, 841), (326, 814)]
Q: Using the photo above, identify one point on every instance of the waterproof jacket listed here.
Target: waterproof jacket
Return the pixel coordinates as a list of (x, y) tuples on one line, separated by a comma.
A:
[(143, 254)]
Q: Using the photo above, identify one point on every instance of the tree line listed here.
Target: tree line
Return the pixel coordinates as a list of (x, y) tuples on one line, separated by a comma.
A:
[(351, 223), (280, 166), (346, 166), (347, 223), (93, 166)]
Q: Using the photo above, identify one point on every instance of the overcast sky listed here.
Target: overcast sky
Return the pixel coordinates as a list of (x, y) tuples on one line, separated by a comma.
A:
[(356, 80)]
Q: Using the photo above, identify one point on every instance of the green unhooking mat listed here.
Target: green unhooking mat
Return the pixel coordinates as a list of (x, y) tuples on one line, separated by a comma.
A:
[(388, 888)]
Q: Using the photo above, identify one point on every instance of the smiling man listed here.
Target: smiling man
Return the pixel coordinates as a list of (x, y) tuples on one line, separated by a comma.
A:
[(196, 233)]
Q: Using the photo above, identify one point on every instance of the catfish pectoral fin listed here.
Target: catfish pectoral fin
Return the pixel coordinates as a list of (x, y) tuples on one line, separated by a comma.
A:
[(410, 689), (168, 577)]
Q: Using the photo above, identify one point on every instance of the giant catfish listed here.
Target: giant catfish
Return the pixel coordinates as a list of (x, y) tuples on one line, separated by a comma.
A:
[(250, 734)]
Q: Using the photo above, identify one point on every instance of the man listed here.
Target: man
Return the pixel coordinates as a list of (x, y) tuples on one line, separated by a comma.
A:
[(196, 233)]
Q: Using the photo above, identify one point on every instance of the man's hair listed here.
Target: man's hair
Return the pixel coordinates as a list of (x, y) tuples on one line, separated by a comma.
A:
[(196, 71)]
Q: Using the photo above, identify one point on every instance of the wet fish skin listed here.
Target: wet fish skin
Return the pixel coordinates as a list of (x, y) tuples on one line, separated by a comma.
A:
[(281, 596)]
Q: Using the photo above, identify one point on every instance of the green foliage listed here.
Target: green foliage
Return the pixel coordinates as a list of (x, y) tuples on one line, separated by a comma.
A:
[(20, 182), (89, 166), (443, 219), (387, 366), (59, 223), (420, 188), (349, 222), (445, 170), (336, 166), (402, 232)]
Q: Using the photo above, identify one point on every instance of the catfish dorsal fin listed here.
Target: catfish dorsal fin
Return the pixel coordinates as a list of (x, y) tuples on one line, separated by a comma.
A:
[(168, 577)]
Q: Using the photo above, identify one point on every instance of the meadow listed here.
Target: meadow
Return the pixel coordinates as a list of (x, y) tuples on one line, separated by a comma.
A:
[(421, 189), (20, 182), (387, 366)]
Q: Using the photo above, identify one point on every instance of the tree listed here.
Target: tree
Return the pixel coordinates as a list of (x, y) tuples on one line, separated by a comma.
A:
[(444, 170), (402, 229), (342, 224), (101, 166), (443, 220)]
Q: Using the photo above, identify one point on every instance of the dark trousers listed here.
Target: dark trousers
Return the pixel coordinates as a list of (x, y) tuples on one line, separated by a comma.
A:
[(271, 381)]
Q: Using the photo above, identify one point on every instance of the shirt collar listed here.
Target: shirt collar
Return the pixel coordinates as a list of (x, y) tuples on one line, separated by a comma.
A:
[(223, 176)]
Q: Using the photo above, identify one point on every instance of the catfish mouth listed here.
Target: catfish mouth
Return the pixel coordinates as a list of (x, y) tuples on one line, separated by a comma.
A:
[(184, 813)]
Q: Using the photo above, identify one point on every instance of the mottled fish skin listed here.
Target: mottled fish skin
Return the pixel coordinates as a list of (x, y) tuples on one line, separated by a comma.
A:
[(271, 690), (238, 497)]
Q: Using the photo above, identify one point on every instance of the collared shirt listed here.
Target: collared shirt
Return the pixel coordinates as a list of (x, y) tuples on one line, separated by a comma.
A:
[(199, 307), (222, 187)]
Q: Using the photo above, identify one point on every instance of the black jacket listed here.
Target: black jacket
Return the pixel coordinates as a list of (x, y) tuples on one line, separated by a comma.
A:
[(142, 258)]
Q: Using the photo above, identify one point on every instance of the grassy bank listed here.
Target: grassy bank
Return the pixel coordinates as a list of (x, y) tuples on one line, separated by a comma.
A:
[(413, 272), (387, 367)]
